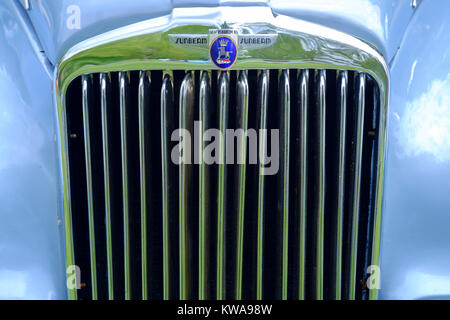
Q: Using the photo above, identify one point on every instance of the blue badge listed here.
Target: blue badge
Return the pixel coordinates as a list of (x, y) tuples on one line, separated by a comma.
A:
[(223, 52)]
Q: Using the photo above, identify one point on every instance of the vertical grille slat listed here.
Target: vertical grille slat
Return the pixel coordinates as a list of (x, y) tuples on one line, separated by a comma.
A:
[(167, 100), (146, 225), (304, 99), (105, 92), (143, 106), (186, 111), (360, 101), (87, 104), (262, 102), (338, 238), (283, 175), (124, 80), (242, 123), (224, 88), (204, 188), (320, 184)]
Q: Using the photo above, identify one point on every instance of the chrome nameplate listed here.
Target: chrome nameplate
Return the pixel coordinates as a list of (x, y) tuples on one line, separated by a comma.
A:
[(223, 44), (189, 40)]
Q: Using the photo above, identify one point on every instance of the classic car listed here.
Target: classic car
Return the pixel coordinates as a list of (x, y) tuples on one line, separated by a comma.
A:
[(225, 149)]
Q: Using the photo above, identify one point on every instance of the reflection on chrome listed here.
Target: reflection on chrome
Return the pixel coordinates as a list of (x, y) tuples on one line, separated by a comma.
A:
[(425, 126)]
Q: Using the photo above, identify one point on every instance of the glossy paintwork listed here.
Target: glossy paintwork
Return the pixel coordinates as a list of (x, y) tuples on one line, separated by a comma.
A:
[(381, 22), (415, 247), (32, 264)]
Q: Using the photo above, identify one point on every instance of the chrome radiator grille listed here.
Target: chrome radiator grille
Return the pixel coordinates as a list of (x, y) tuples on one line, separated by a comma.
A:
[(147, 228)]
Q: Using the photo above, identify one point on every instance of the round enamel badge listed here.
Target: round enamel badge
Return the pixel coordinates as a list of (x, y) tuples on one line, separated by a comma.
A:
[(223, 52)]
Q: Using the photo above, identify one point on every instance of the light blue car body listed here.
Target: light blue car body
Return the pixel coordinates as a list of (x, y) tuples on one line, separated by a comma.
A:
[(415, 42)]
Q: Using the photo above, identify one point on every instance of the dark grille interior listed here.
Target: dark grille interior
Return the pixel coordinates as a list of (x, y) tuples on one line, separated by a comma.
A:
[(304, 232)]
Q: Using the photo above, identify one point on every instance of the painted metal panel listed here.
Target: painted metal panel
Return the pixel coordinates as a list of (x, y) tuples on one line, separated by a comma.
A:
[(415, 247), (31, 230), (381, 22)]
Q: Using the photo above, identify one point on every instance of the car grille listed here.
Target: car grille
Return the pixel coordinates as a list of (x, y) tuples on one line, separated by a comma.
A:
[(147, 228)]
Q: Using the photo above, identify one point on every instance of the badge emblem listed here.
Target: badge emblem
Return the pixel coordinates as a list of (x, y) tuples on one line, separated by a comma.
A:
[(223, 52), (224, 43)]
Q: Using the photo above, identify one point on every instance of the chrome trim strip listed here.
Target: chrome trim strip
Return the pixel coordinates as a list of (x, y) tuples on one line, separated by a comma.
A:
[(186, 121), (342, 104), (241, 123), (143, 105), (204, 188), (224, 91), (166, 108), (124, 79), (87, 100), (320, 214), (67, 202), (130, 47), (262, 102), (361, 91), (379, 172), (283, 188), (105, 87), (304, 98)]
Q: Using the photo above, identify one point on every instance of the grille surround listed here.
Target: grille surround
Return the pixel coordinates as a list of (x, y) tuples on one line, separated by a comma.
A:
[(323, 48)]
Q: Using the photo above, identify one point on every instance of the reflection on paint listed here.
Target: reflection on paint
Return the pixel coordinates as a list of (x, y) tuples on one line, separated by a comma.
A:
[(362, 11), (13, 284), (31, 283), (21, 134), (425, 125), (418, 284)]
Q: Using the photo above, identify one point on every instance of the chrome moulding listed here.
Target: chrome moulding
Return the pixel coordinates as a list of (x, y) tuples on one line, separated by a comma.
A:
[(141, 227)]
